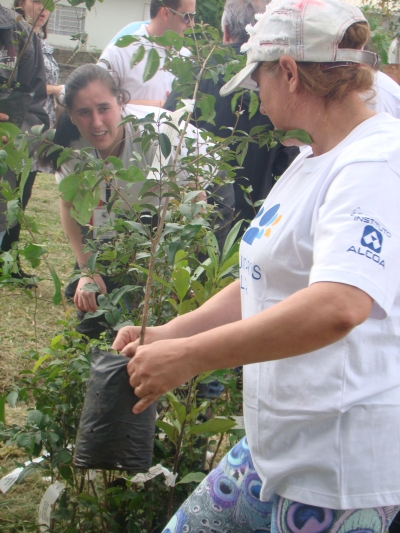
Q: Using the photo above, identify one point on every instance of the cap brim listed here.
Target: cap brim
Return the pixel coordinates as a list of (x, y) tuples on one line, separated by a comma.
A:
[(242, 79)]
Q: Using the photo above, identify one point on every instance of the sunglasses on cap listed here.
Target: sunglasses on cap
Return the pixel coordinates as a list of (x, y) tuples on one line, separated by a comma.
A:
[(186, 17)]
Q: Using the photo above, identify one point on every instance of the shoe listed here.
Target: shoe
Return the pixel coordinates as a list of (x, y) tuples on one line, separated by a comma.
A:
[(23, 276)]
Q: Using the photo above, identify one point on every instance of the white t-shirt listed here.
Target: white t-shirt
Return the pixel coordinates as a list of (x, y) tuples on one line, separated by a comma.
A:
[(324, 427), (132, 78), (131, 190), (387, 97)]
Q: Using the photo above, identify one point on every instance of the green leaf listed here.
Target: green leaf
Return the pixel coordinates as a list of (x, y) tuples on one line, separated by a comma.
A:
[(25, 441), (41, 361), (29, 469), (32, 253), (12, 398), (91, 262), (215, 425), (230, 241), (3, 408), (173, 248), (300, 135), (67, 474), (155, 277), (137, 56), (37, 130), (169, 430), (187, 306), (180, 410), (199, 292), (116, 163), (206, 103), (126, 40), (64, 456), (165, 145), (254, 104), (181, 282), (152, 65), (35, 418), (196, 477), (57, 296)]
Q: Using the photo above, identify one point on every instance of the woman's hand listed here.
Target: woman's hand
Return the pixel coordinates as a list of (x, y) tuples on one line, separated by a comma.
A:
[(85, 300), (157, 368), (127, 339)]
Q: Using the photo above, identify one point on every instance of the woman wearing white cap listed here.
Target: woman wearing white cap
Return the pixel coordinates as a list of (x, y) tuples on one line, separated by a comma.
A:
[(315, 316)]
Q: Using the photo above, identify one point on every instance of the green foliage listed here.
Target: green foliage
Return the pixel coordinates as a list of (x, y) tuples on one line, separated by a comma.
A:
[(210, 12), (384, 20)]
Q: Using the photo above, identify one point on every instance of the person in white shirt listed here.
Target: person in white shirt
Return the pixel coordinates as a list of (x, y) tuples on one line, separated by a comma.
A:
[(95, 106), (173, 15), (315, 316), (387, 95)]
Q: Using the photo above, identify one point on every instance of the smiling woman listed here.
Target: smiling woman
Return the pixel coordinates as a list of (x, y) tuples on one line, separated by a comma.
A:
[(94, 109)]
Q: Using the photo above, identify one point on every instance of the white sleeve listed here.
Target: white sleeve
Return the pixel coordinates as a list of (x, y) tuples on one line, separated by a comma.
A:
[(112, 57), (357, 233)]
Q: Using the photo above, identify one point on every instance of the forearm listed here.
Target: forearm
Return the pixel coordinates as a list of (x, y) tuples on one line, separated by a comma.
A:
[(73, 232), (221, 309), (53, 89), (309, 320)]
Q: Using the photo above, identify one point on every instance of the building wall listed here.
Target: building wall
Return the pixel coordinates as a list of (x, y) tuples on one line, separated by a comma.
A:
[(102, 22)]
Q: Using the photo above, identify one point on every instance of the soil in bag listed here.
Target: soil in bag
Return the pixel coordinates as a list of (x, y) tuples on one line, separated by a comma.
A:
[(110, 436)]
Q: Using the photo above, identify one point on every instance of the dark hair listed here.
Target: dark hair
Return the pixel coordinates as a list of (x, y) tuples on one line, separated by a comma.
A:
[(20, 10), (66, 132), (238, 14), (156, 5)]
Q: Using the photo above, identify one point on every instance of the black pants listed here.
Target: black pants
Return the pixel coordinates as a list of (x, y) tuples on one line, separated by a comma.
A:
[(12, 234)]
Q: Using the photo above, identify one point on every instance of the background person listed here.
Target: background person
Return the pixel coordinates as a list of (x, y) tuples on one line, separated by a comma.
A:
[(35, 14), (314, 315), (95, 106), (31, 79), (261, 166), (173, 15)]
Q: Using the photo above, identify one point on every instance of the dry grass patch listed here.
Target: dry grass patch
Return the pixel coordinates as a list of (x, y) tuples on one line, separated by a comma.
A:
[(30, 321)]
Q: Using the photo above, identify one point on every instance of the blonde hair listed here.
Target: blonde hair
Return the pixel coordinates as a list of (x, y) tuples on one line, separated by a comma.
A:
[(334, 83)]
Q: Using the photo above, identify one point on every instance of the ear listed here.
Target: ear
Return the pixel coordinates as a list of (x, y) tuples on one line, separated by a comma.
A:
[(164, 13), (290, 73), (71, 119), (227, 38)]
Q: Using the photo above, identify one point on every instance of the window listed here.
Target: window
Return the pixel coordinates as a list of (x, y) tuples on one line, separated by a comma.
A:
[(146, 12), (67, 20)]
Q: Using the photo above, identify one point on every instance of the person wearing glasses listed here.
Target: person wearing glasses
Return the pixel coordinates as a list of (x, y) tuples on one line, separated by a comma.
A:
[(173, 15)]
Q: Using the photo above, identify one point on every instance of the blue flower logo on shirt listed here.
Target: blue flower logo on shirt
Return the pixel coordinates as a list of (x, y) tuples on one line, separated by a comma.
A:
[(265, 223), (372, 239)]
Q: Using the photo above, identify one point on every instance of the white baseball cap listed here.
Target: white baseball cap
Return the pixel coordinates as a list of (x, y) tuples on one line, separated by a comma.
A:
[(306, 30)]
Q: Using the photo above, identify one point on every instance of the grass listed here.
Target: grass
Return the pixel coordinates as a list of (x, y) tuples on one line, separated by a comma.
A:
[(29, 322)]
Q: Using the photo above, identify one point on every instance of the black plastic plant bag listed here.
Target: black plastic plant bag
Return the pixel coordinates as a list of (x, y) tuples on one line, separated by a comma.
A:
[(110, 436)]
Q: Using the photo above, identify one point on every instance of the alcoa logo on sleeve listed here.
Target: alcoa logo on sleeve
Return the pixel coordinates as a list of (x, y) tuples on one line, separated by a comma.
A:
[(371, 245), (265, 223)]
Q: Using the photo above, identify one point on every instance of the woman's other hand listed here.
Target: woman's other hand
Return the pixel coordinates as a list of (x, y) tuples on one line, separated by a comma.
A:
[(127, 340), (85, 300)]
